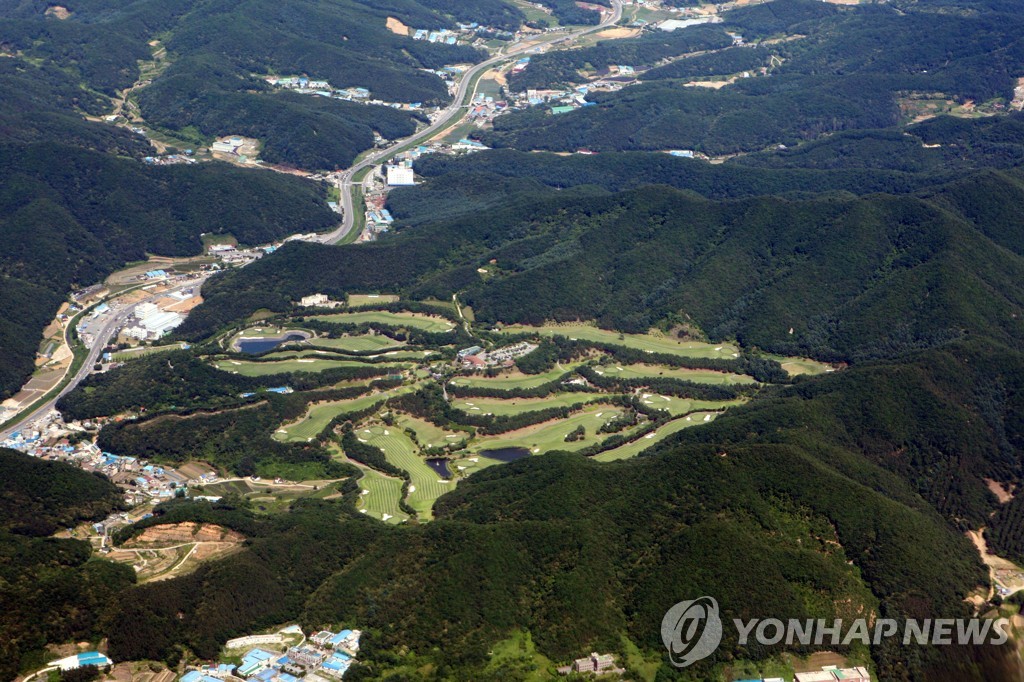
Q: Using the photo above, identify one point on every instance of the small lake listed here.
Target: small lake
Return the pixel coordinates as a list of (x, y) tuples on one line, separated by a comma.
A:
[(257, 346), (440, 466), (506, 454)]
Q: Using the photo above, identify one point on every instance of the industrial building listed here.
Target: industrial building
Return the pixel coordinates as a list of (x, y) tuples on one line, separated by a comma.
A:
[(400, 176), (83, 659)]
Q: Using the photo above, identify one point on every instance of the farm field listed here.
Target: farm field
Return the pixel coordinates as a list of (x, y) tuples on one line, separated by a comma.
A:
[(515, 379), (637, 446), (700, 376), (653, 343), (547, 436), (501, 407), (427, 323), (357, 300), (358, 344), (298, 364), (321, 414), (426, 486)]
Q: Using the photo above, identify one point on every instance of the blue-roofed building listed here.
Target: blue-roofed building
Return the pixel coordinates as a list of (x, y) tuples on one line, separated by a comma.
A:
[(254, 662), (265, 675), (86, 658), (285, 677), (192, 676)]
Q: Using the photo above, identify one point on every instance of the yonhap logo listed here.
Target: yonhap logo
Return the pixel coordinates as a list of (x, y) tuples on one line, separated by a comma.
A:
[(691, 631)]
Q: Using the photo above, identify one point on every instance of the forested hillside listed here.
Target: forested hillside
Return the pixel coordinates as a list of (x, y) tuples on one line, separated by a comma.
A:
[(71, 216), (50, 589), (831, 70), (929, 268)]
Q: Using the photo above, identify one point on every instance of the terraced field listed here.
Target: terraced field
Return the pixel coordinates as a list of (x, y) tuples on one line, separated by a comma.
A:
[(425, 485), (428, 323), (321, 414), (652, 342), (502, 407), (700, 376), (515, 379), (637, 446)]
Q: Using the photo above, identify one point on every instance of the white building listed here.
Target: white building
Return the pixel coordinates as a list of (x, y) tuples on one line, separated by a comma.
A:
[(144, 311), (162, 322), (400, 176)]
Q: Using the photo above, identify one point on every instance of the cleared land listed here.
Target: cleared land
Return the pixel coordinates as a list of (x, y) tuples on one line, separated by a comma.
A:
[(514, 379), (653, 343), (259, 369), (700, 376), (797, 366), (425, 486), (639, 445), (428, 323), (503, 407), (356, 300)]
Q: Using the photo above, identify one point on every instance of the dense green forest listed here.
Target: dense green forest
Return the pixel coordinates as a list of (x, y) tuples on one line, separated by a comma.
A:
[(931, 267), (50, 589), (71, 216), (847, 70), (804, 480)]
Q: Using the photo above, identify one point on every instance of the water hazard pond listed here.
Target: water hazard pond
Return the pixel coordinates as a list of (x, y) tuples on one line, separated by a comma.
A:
[(257, 345), (506, 454)]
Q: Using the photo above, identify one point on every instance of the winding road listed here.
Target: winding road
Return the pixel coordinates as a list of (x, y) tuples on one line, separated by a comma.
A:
[(456, 109), (99, 343)]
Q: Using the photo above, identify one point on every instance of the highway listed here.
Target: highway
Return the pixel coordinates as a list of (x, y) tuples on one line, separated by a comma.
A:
[(447, 116), (100, 342)]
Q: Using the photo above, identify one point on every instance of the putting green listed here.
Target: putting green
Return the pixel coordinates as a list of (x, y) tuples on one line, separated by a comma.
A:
[(652, 342), (357, 300), (425, 485), (259, 369), (429, 323), (380, 496), (430, 435), (321, 414), (358, 344), (700, 376), (501, 407), (683, 406), (637, 446), (547, 436)]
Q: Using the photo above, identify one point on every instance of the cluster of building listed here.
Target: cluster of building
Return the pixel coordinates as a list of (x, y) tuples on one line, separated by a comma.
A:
[(151, 322), (170, 159), (835, 674), (325, 653), (442, 36), (307, 86), (599, 664), (476, 357), (829, 673)]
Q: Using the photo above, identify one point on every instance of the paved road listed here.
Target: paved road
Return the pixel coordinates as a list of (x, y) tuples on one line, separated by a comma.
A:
[(344, 180), (99, 343)]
